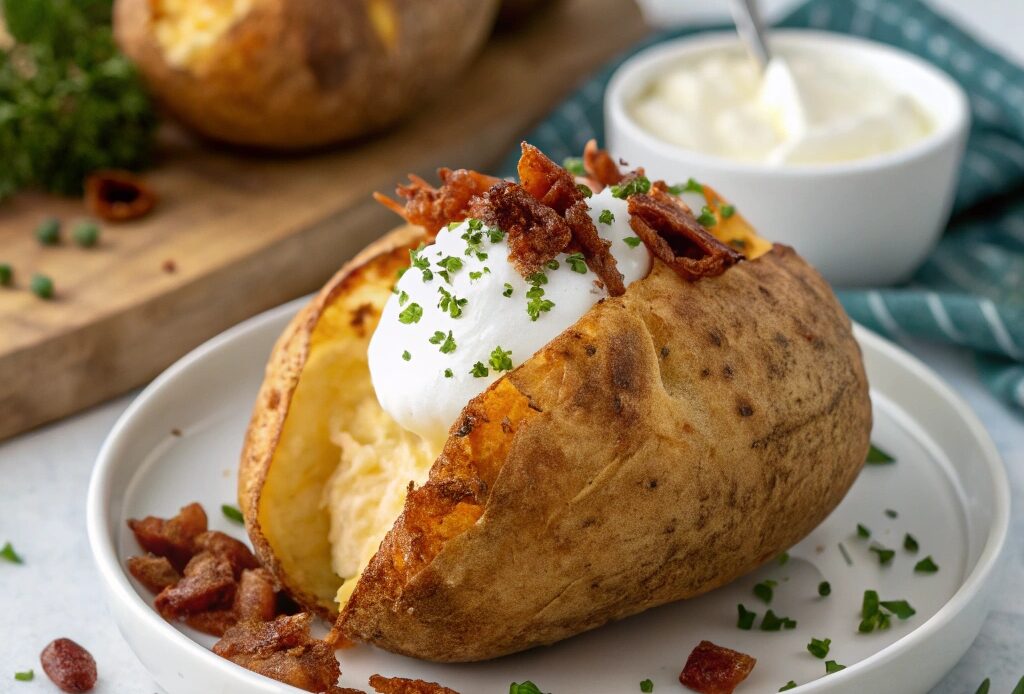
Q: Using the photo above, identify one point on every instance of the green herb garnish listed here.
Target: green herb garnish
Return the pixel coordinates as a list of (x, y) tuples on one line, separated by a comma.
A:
[(420, 263), (606, 217), (726, 210), (86, 234), (876, 456), (884, 555), (6, 274), (446, 342), (891, 513), (495, 235), (764, 590), (1019, 689), (577, 263), (552, 264), (773, 622), (900, 608), (8, 554), (909, 543), (72, 104), (478, 370), (449, 265), (746, 618), (824, 589), (585, 190), (862, 531), (537, 279), (448, 373), (819, 647), (632, 241), (406, 356), (846, 555), (410, 314), (983, 687), (508, 290), (536, 303), (926, 566), (26, 676), (48, 232), (707, 218), (232, 513), (501, 360), (41, 286), (526, 687), (783, 558), (402, 296), (574, 165), (450, 303), (691, 186), (634, 186), (787, 686), (832, 666), (646, 686)]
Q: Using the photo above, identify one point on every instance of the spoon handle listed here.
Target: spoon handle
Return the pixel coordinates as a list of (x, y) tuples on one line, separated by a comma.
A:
[(751, 29)]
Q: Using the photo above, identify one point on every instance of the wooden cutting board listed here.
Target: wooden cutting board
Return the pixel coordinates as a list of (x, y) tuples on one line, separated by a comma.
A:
[(245, 232)]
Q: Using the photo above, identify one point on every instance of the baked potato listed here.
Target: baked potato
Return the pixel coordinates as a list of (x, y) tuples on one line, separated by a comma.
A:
[(293, 74), (674, 438)]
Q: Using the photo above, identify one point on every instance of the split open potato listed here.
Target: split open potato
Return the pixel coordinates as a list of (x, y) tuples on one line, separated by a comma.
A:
[(673, 439), (292, 74)]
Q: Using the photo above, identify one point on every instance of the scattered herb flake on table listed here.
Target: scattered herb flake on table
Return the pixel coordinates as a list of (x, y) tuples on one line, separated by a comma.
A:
[(983, 687), (10, 555), (832, 666), (787, 686), (884, 555), (26, 676), (746, 617), (862, 531), (646, 686), (891, 513), (926, 566), (824, 589), (909, 543), (819, 647), (773, 622), (764, 590)]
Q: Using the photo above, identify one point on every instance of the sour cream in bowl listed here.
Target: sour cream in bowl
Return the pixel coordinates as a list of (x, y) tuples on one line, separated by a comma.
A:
[(844, 148)]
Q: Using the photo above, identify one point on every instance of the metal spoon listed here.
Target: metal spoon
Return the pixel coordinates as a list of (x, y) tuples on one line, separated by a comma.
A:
[(751, 29)]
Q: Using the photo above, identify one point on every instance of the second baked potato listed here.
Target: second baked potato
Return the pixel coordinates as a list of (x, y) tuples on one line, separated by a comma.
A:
[(673, 439), (292, 74)]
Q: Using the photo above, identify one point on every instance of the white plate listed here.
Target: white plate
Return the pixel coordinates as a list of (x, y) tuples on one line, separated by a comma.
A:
[(948, 487)]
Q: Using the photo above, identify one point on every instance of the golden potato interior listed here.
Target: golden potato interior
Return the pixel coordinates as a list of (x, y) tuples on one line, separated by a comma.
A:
[(187, 29)]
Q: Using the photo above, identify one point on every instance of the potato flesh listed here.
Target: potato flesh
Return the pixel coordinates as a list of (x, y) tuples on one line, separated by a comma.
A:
[(367, 491), (187, 29)]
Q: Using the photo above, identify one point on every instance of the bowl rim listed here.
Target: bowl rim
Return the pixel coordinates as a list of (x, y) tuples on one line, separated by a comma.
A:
[(948, 132), (112, 459)]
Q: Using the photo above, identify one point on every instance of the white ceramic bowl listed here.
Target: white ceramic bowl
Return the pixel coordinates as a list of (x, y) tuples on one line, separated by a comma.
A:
[(866, 222)]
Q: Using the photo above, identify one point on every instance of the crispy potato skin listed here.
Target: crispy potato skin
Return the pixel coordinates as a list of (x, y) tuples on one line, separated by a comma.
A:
[(672, 440), (680, 436), (296, 74)]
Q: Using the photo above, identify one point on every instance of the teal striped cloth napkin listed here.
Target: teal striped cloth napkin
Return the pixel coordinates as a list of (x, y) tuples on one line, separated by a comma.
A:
[(970, 291)]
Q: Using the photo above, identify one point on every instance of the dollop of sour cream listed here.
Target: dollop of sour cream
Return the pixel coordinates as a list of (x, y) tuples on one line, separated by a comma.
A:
[(804, 108), (449, 333)]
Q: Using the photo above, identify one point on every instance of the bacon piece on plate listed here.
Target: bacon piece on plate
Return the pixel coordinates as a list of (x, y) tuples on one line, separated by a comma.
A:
[(712, 669), (401, 685)]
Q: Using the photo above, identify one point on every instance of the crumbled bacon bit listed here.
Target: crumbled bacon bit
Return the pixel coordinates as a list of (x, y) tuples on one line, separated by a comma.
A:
[(343, 690), (155, 573), (546, 181), (536, 233), (208, 583), (69, 666), (172, 538), (600, 166), (401, 685), (672, 234), (118, 196), (712, 669), (256, 597), (213, 622), (432, 208), (282, 650), (596, 251), (221, 545)]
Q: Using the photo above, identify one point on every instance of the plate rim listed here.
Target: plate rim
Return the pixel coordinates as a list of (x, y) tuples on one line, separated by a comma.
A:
[(101, 532)]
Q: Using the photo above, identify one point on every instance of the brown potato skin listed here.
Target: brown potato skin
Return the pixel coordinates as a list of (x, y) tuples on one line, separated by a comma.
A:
[(298, 74), (672, 440), (683, 434)]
